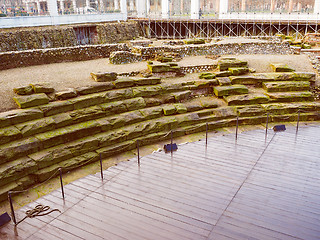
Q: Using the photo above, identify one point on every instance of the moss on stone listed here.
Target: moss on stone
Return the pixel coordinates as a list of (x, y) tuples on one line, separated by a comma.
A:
[(152, 112), (19, 148), (134, 103), (230, 90), (147, 91), (291, 96), (236, 71), (42, 88), (250, 110), (87, 114), (286, 86), (30, 128), (66, 94), (119, 94), (147, 81), (62, 120), (224, 64), (169, 110), (180, 108), (101, 87), (246, 80), (56, 108), (8, 134), (113, 107), (246, 99), (281, 67), (26, 90), (104, 77), (88, 100), (124, 83), (207, 75), (31, 100)]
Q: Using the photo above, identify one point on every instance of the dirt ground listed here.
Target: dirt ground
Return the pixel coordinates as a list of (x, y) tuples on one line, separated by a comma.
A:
[(76, 74)]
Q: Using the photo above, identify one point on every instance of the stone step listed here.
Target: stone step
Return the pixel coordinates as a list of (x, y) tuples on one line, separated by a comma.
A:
[(281, 67), (224, 64), (221, 91), (290, 96), (286, 86), (288, 108), (287, 76), (246, 99)]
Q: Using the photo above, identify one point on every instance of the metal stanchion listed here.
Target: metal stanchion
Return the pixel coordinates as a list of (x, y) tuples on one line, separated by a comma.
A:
[(267, 124), (62, 191), (101, 170), (237, 127), (206, 134), (12, 210), (298, 120), (171, 140), (138, 151)]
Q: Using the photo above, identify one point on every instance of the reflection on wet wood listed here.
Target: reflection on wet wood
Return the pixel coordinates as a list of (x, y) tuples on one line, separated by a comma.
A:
[(254, 188)]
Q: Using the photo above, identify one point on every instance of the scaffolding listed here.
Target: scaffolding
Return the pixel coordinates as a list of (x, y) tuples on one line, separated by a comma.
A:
[(213, 28)]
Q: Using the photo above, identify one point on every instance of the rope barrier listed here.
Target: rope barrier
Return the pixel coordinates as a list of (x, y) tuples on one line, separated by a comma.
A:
[(38, 211)]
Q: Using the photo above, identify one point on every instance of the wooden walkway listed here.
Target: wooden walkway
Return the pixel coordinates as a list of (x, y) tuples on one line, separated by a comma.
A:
[(254, 188)]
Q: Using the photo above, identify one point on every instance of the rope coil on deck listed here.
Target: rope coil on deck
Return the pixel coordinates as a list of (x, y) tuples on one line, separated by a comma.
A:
[(38, 211)]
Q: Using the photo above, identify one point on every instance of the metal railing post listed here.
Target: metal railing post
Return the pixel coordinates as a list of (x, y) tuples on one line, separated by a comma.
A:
[(267, 124), (298, 120), (206, 134), (61, 183), (171, 140), (138, 151), (101, 170), (237, 127), (12, 209)]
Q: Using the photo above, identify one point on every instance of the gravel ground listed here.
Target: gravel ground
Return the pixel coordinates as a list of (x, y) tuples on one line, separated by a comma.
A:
[(75, 74)]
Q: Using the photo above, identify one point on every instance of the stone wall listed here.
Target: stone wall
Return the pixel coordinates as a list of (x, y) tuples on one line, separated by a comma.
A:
[(216, 49), (54, 55), (65, 36)]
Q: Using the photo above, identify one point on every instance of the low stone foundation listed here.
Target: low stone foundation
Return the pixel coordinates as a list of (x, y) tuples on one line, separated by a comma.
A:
[(55, 55)]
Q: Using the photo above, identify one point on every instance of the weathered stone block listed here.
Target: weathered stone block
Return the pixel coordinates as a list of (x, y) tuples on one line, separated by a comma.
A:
[(27, 90), (9, 134), (50, 156), (101, 87), (36, 126), (230, 90), (87, 114), (187, 119), (250, 110), (180, 108), (120, 57), (104, 77), (224, 81), (169, 109), (291, 96), (246, 99), (281, 67), (82, 145), (207, 75), (124, 82), (152, 112), (153, 101), (19, 115), (147, 81), (134, 103), (132, 117), (45, 173), (224, 64), (16, 169), (159, 68), (180, 96), (110, 137), (88, 100), (31, 100), (19, 148), (193, 106), (265, 77), (147, 91), (113, 107), (194, 41), (247, 80), (286, 86), (56, 107), (304, 76), (223, 74), (119, 94), (287, 108), (236, 71), (208, 103), (42, 88), (69, 93), (62, 120)]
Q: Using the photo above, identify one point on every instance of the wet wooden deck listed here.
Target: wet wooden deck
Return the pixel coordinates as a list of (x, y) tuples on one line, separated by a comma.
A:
[(249, 189)]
